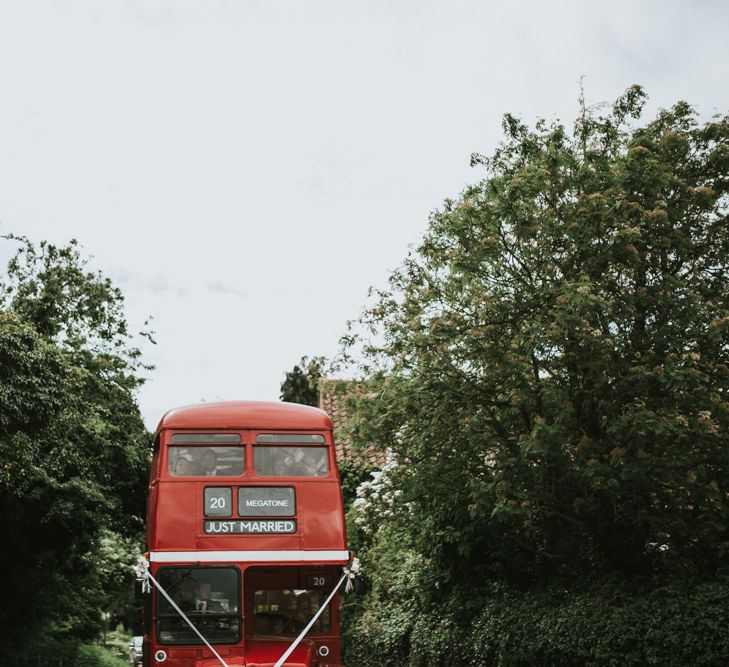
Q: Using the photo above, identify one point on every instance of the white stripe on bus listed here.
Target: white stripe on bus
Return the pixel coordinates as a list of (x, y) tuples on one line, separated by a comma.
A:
[(246, 556)]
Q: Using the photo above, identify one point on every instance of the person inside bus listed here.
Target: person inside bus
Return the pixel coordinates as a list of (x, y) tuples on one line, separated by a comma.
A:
[(299, 620), (183, 466), (312, 467), (203, 598), (280, 468), (209, 463), (277, 625), (300, 463)]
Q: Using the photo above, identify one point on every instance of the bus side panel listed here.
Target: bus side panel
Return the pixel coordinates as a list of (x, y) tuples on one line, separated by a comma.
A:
[(176, 504), (322, 521)]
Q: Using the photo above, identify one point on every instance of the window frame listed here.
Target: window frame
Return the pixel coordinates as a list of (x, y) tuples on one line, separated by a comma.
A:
[(239, 614)]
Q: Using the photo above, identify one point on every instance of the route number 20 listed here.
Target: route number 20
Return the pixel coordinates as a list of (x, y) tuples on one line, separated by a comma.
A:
[(319, 581), (218, 501)]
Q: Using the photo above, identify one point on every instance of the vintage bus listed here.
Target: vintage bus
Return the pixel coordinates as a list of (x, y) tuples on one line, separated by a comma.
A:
[(245, 533)]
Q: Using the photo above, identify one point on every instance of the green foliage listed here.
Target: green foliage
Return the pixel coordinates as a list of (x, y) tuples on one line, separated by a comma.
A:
[(676, 625), (301, 384), (81, 314), (44, 651), (36, 653), (73, 447), (112, 563), (91, 655), (352, 474), (50, 287), (553, 365), (116, 641), (551, 368)]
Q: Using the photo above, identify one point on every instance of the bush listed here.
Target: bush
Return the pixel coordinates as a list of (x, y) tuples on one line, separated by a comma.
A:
[(60, 652), (39, 652), (605, 625), (90, 655)]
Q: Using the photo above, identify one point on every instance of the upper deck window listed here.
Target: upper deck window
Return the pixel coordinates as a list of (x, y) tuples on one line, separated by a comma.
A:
[(206, 438), (291, 461), (205, 461)]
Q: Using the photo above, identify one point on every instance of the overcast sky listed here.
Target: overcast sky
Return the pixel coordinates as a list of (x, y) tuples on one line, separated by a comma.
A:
[(244, 170)]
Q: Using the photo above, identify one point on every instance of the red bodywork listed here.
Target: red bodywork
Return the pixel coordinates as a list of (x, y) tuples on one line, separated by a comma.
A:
[(175, 534)]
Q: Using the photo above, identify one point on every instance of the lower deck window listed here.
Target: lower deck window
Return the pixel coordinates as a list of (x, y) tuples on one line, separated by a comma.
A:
[(209, 596), (287, 611)]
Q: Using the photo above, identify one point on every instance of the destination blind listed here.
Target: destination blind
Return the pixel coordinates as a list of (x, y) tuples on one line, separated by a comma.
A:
[(252, 501), (250, 527), (266, 501)]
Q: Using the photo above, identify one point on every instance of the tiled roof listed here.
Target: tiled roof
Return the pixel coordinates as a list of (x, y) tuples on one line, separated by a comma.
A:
[(332, 399)]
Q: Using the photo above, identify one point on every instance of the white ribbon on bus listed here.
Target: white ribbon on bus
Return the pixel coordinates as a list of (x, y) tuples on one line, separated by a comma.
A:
[(145, 576), (350, 572)]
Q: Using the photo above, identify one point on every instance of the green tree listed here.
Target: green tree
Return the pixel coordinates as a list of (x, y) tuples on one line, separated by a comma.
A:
[(73, 446), (551, 363), (301, 384), (81, 313), (111, 562), (554, 360)]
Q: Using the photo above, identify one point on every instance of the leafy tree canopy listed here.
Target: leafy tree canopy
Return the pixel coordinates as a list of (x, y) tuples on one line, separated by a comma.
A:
[(73, 447), (301, 384), (551, 364)]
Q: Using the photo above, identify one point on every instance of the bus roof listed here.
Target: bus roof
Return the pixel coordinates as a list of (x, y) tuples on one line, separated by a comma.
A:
[(246, 414)]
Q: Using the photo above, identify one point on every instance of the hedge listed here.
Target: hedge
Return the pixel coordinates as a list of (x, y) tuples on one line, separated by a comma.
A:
[(673, 625)]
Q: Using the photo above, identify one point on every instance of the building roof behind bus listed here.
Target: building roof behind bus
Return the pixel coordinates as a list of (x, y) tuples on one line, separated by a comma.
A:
[(246, 414)]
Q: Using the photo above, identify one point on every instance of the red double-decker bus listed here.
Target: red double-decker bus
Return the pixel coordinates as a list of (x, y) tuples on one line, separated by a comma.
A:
[(246, 535)]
